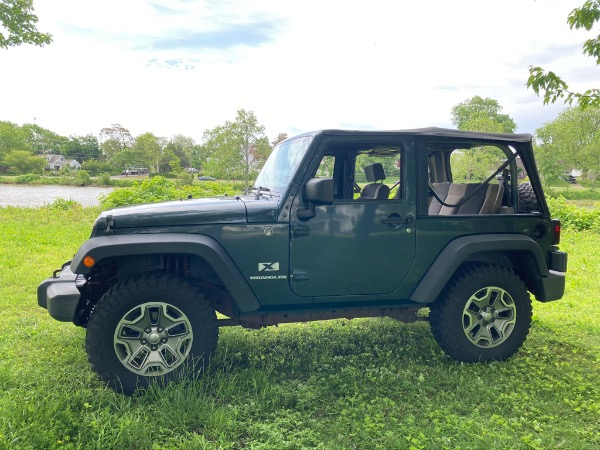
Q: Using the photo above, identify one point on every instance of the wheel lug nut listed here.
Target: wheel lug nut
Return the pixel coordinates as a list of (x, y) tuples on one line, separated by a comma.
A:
[(164, 340), (159, 330), (148, 330), (154, 348), (144, 341)]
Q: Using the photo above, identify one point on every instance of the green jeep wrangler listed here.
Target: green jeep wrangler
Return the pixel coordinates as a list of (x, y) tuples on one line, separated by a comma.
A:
[(340, 224)]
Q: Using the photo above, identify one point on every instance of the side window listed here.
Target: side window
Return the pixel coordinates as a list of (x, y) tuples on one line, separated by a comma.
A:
[(363, 172), (470, 180), (475, 165), (371, 170)]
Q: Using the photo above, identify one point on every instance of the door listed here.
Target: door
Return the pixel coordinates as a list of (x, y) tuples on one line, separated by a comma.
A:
[(364, 243)]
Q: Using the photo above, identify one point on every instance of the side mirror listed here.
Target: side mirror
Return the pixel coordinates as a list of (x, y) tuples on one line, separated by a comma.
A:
[(318, 191)]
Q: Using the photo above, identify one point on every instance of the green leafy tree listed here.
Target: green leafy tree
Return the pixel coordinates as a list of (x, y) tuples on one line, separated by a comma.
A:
[(82, 148), (549, 163), (126, 159), (149, 149), (43, 141), (95, 166), (237, 149), (552, 86), (571, 141), (23, 161), (115, 139), (19, 24), (479, 114), (185, 149), (12, 137), (172, 160), (222, 153), (482, 114)]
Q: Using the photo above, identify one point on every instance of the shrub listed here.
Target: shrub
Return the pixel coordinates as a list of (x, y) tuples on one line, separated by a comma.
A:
[(104, 179), (158, 189), (83, 178), (573, 217), (26, 179), (184, 179), (63, 204), (94, 166)]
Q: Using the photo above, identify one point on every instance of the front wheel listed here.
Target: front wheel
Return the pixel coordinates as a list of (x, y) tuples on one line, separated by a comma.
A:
[(151, 327), (484, 314)]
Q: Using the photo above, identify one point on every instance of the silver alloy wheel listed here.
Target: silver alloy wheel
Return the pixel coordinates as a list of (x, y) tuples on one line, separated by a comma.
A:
[(489, 317), (153, 339)]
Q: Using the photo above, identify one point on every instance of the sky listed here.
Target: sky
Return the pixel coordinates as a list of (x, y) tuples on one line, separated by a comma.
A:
[(185, 66)]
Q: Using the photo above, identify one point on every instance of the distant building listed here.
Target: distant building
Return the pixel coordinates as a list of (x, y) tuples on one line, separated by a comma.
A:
[(57, 162)]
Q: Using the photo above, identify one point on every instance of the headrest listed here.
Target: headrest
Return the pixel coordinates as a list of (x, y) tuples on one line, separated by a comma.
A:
[(374, 172)]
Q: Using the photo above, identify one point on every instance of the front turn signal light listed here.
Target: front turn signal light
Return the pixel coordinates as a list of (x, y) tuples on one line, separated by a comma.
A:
[(89, 261)]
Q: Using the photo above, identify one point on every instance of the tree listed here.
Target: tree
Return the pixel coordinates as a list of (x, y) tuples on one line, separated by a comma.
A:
[(82, 148), (148, 150), (185, 149), (280, 138), (553, 86), (12, 137), (237, 149), (43, 141), (19, 25), (124, 160), (114, 139), (96, 167), (482, 114), (22, 161), (479, 114), (571, 141)]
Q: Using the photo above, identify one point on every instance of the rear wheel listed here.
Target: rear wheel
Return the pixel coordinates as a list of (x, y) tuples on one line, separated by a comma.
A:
[(151, 327), (483, 314)]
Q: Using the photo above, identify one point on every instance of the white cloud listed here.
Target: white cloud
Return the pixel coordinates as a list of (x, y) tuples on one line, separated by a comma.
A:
[(185, 66)]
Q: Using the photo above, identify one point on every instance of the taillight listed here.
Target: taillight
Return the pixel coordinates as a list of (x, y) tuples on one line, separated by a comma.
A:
[(556, 233)]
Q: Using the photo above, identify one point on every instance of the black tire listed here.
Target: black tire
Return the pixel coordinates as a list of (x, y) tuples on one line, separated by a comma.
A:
[(527, 199), (467, 322), (153, 327)]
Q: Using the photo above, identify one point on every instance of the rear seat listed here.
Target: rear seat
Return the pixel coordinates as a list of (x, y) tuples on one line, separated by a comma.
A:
[(485, 201)]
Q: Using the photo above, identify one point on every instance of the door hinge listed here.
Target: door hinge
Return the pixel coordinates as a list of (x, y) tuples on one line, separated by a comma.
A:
[(110, 224), (299, 275)]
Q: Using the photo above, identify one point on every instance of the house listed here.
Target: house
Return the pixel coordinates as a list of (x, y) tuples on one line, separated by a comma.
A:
[(57, 162)]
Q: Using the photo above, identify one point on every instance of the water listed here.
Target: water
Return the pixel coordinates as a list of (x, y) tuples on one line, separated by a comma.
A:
[(32, 196)]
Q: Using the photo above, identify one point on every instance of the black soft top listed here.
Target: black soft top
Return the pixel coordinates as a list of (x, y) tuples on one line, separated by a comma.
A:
[(437, 132)]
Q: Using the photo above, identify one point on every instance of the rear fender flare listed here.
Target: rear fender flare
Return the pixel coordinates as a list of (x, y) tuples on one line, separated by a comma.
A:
[(459, 250)]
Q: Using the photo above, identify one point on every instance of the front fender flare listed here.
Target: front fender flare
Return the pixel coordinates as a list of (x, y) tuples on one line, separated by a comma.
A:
[(457, 252), (103, 247)]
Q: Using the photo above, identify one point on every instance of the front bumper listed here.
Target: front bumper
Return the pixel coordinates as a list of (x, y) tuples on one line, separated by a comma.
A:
[(59, 294)]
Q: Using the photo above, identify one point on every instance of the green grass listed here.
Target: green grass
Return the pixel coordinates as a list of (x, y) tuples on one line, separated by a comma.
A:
[(368, 383)]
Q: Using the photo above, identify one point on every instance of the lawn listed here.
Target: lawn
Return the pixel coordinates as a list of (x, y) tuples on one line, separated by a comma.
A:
[(368, 383)]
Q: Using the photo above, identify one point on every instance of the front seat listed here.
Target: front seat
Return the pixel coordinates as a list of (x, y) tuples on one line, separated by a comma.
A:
[(375, 191)]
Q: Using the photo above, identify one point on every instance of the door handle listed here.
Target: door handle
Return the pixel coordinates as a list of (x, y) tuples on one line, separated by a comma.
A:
[(395, 219)]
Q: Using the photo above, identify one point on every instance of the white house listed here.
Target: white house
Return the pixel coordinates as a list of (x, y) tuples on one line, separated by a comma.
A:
[(57, 162)]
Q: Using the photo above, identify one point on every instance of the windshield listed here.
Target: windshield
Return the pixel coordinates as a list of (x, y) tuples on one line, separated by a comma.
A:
[(282, 164)]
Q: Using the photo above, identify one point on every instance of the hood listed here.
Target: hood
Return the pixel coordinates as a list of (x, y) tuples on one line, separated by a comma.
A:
[(221, 210)]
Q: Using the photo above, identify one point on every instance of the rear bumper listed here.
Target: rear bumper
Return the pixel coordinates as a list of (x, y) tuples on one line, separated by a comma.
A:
[(59, 295), (553, 286)]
